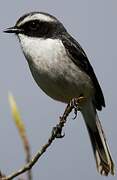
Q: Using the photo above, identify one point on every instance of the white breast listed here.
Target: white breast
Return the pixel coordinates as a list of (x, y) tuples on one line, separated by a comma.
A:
[(52, 69), (44, 53)]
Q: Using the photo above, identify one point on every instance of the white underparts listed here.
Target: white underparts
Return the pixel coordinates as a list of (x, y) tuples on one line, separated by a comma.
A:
[(53, 70)]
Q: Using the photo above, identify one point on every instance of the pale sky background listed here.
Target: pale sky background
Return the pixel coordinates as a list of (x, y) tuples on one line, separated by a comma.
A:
[(94, 24)]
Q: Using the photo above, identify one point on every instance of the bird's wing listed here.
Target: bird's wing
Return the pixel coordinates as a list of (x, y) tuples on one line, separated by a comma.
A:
[(78, 56)]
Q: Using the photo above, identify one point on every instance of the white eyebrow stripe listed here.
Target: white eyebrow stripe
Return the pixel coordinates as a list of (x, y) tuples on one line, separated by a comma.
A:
[(41, 17)]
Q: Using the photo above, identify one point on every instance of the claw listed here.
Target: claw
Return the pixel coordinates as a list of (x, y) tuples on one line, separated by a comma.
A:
[(76, 103), (57, 132), (60, 135), (75, 113)]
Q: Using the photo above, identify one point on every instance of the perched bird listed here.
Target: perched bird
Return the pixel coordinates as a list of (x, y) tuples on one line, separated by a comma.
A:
[(62, 70)]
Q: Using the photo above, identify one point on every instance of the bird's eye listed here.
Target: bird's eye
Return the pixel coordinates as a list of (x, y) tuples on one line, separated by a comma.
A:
[(33, 25)]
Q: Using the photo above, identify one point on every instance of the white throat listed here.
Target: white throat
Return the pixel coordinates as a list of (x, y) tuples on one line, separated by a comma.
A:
[(40, 50)]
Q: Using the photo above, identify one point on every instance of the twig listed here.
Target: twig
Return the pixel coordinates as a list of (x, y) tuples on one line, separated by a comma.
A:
[(56, 133), (28, 156)]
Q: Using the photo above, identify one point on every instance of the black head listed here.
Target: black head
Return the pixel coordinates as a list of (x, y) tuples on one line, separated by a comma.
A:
[(38, 24)]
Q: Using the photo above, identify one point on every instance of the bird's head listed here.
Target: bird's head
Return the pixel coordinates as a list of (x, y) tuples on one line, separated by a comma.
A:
[(37, 25)]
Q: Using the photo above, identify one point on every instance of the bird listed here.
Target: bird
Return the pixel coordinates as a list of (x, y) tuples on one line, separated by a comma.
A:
[(61, 68)]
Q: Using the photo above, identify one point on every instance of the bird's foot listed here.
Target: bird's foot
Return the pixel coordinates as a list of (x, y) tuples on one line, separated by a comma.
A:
[(77, 103), (57, 131)]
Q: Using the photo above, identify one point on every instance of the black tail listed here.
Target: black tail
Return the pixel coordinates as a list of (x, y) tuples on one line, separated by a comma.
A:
[(102, 155)]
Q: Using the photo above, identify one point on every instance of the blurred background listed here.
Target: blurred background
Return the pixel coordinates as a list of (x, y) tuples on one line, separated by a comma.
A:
[(94, 24)]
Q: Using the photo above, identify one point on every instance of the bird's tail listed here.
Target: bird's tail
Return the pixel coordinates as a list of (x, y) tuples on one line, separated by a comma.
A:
[(102, 155)]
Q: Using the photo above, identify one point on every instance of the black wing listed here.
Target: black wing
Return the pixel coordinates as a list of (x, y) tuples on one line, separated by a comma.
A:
[(79, 57)]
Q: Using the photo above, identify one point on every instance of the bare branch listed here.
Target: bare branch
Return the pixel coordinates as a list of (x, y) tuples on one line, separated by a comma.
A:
[(56, 133)]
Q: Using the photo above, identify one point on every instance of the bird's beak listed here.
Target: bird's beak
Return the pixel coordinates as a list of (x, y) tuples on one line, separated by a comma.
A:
[(14, 29)]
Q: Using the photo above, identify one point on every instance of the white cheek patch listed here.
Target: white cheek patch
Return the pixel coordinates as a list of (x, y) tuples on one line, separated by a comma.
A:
[(39, 16)]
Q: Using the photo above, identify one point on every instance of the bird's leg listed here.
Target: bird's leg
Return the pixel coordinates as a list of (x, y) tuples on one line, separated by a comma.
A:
[(77, 103)]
